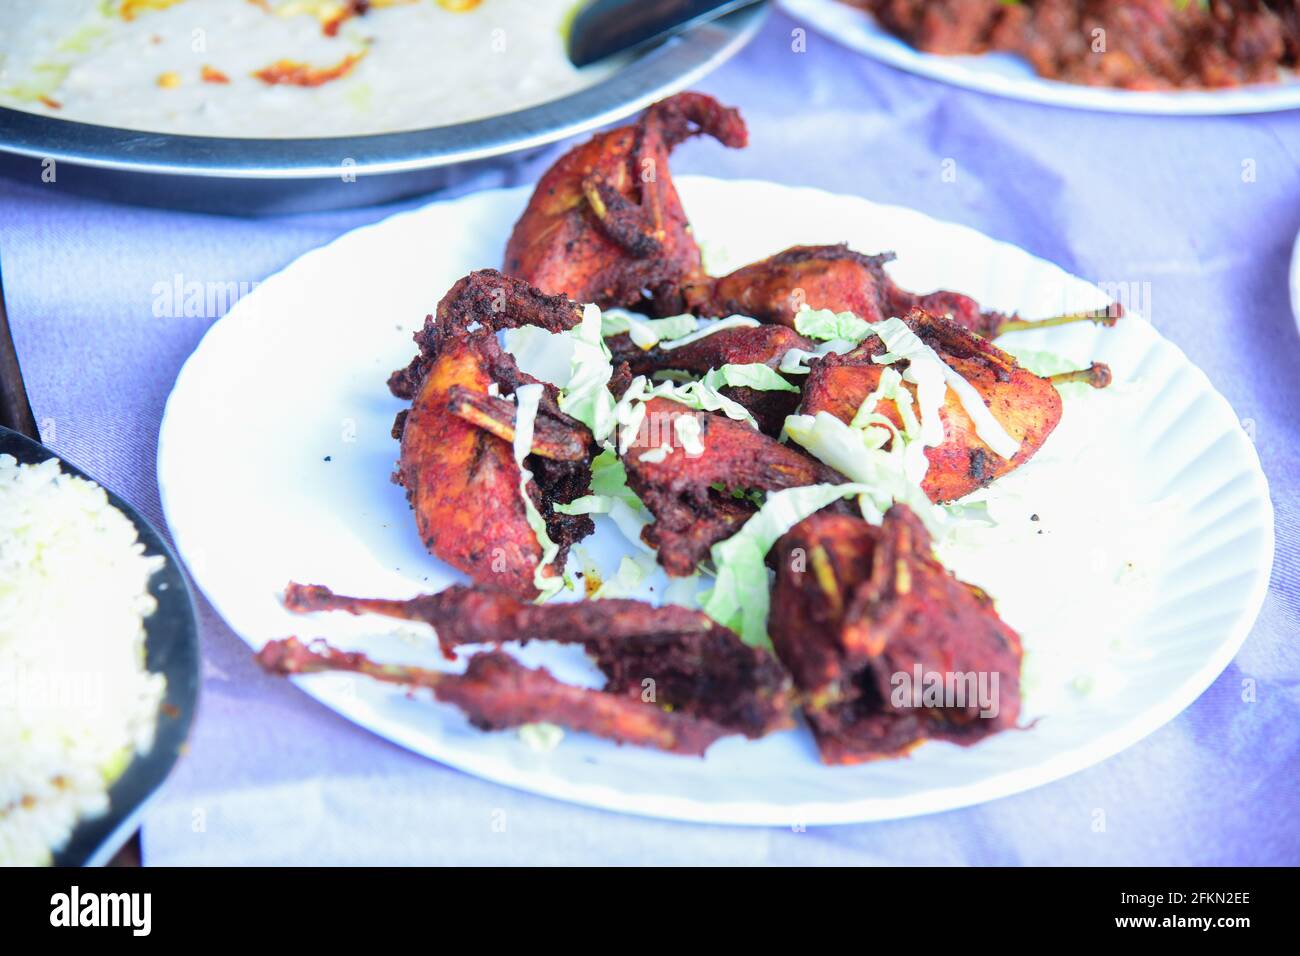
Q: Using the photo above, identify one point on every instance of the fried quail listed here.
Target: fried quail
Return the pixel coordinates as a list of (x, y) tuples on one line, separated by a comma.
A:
[(605, 224), (457, 462), (859, 612)]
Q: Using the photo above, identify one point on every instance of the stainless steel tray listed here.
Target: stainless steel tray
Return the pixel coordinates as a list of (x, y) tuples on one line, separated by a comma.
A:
[(271, 176)]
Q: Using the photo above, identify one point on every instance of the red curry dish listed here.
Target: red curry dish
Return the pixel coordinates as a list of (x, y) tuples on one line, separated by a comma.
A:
[(1130, 44)]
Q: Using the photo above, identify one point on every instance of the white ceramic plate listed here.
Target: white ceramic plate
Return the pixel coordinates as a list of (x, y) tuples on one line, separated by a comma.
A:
[(1006, 75), (275, 454)]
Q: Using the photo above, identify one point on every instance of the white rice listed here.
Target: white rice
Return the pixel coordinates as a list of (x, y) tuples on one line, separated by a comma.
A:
[(76, 702)]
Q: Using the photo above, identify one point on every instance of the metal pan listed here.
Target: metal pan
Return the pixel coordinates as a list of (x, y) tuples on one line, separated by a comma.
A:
[(271, 176), (171, 648)]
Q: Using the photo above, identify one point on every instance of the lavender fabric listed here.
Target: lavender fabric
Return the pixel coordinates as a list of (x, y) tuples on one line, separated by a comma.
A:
[(1205, 210)]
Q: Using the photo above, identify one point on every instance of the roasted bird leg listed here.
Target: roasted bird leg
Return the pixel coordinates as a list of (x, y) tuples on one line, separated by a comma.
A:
[(557, 437), (681, 488), (1106, 317), (692, 663), (605, 224), (457, 463), (1098, 375), (868, 622), (497, 692), (775, 289), (842, 280)]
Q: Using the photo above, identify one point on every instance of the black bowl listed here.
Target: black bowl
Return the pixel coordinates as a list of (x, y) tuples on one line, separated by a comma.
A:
[(171, 649)]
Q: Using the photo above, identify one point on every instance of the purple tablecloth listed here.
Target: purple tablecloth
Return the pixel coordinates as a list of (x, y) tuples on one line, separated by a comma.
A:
[(272, 777)]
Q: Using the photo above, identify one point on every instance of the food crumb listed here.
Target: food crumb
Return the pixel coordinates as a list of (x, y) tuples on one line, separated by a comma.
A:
[(328, 458), (169, 80)]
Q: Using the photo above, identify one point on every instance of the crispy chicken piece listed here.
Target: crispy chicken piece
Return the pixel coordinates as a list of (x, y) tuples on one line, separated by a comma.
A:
[(774, 289), (1028, 407), (457, 463), (865, 617), (605, 224), (497, 692), (682, 489), (842, 280), (697, 666)]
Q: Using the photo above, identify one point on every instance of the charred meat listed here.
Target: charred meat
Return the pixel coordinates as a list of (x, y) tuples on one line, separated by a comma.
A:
[(605, 224), (862, 614)]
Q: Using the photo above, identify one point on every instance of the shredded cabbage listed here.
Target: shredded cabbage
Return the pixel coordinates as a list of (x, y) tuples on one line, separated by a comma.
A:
[(730, 322), (527, 398), (611, 496), (825, 325), (655, 455), (576, 361), (631, 522), (608, 484), (903, 343), (888, 388), (646, 333), (630, 411), (754, 375), (883, 473), (585, 395), (689, 435), (877, 428), (795, 361), (586, 505), (740, 597), (547, 356)]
